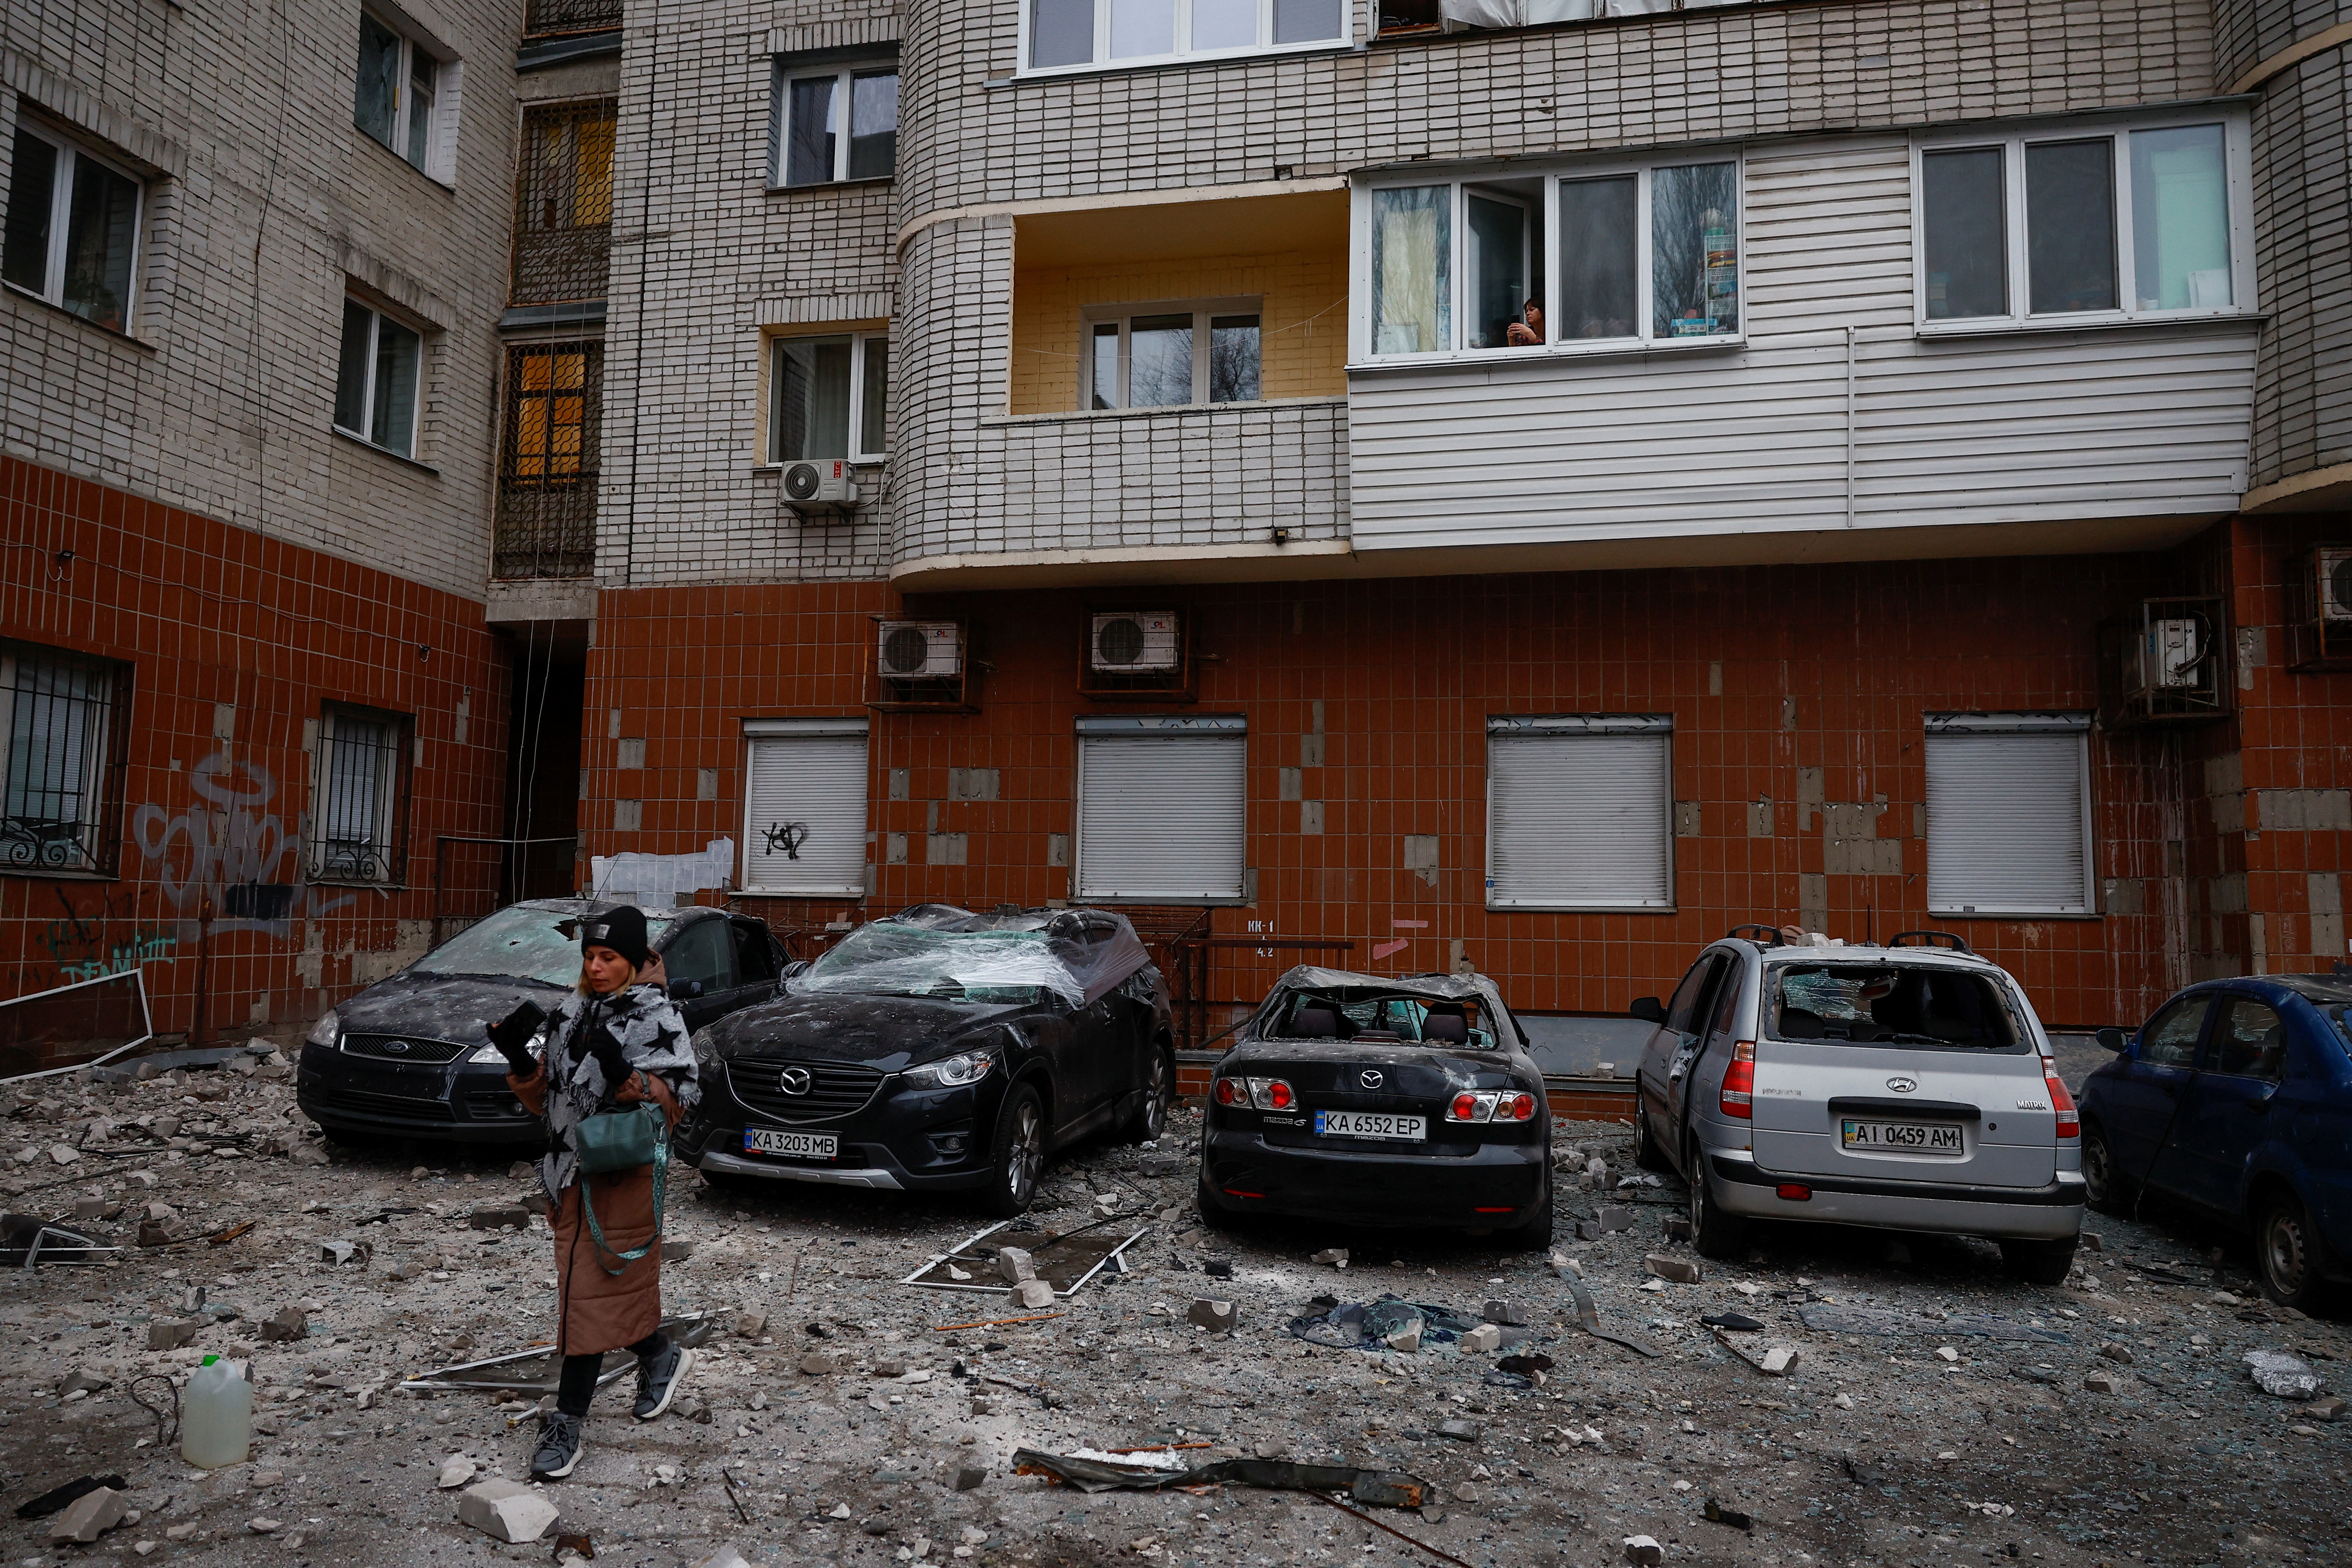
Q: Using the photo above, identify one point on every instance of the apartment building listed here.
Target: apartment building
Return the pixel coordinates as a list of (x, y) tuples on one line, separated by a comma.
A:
[(1527, 484), (269, 392)]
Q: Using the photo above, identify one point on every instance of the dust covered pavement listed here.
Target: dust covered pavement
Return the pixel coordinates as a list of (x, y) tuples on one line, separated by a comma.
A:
[(1923, 1446)]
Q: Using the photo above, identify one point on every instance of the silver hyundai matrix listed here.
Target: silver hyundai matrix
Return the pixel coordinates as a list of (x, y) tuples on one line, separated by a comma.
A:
[(1907, 1087)]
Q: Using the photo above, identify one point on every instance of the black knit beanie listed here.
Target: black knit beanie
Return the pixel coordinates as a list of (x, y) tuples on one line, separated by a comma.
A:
[(621, 928)]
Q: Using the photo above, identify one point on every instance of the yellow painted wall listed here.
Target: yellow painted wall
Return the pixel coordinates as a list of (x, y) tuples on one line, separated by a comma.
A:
[(1303, 325)]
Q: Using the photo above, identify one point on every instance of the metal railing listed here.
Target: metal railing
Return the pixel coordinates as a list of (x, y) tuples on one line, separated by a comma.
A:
[(543, 17), (563, 203), (58, 721), (464, 893), (548, 461)]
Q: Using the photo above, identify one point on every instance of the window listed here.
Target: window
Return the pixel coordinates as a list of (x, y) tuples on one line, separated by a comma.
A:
[(563, 203), (2171, 1038), (60, 714), (398, 96), (548, 461), (1164, 356), (1636, 257), (376, 380), (1578, 811), (804, 808), (2248, 1040), (356, 796), (1161, 807), (2121, 225), (72, 228), (836, 125), (829, 397), (1067, 34), (702, 954), (2009, 814), (1682, 1010)]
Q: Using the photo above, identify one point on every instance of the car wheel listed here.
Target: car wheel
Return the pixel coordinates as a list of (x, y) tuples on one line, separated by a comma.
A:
[(1534, 1233), (1713, 1232), (2104, 1187), (2038, 1262), (1150, 1118), (1646, 1153), (1213, 1212), (1016, 1155), (2287, 1250)]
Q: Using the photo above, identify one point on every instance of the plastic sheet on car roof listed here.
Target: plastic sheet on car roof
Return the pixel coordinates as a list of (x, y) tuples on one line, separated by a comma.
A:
[(1081, 955), (1452, 987)]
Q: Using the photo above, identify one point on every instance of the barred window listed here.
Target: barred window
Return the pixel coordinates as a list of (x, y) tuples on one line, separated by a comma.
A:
[(548, 465), (357, 786), (59, 777), (563, 203), (543, 17)]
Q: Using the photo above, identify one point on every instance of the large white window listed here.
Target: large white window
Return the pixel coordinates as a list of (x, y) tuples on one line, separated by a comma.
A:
[(1578, 812), (1163, 355), (805, 806), (58, 789), (2072, 224), (1161, 806), (1060, 34), (402, 97), (1605, 257), (72, 228), (376, 378), (835, 124), (2009, 814), (355, 796), (829, 397)]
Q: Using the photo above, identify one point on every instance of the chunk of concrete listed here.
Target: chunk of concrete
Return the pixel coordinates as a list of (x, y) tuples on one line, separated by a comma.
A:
[(1681, 1270), (818, 1364), (171, 1333), (1460, 1431), (969, 1476), (81, 1380), (1217, 1316), (90, 1516), (286, 1324), (1033, 1293), (1337, 1256), (750, 1325), (1015, 1266), (501, 1216), (338, 1253), (1510, 1314), (1642, 1552), (2281, 1376), (2102, 1382), (2120, 1354), (2331, 1408), (1482, 1338), (1611, 1218), (456, 1471), (1405, 1337), (505, 1510), (725, 1557)]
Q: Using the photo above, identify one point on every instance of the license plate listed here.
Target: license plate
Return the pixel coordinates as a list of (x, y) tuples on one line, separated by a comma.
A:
[(1938, 1138), (799, 1145), (1370, 1124)]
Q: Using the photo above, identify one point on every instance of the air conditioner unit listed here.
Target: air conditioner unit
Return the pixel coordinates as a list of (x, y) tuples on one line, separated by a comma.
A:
[(2319, 608), (820, 485), (2165, 661), (2331, 570), (1136, 642), (2165, 656), (918, 650)]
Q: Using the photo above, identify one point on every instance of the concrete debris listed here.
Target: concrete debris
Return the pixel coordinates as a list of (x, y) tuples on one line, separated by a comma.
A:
[(1642, 1552), (1510, 1314), (456, 1471), (81, 1380), (1460, 1431), (1217, 1316), (1678, 1227), (2120, 1354), (1486, 1337), (1681, 1270), (748, 1325), (338, 1253), (817, 1363), (1014, 1265), (500, 1216), (505, 1510), (1716, 1513), (286, 1324), (726, 1556), (1033, 1293), (2281, 1375), (2102, 1382), (1337, 1256), (969, 1476), (2330, 1408), (90, 1516), (263, 1525), (171, 1333)]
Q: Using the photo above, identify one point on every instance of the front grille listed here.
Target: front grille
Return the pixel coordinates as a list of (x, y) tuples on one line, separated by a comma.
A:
[(835, 1089), (360, 1101), (381, 1048)]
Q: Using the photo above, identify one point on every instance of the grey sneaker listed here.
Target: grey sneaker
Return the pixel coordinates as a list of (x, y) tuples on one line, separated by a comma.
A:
[(559, 1447), (659, 1379)]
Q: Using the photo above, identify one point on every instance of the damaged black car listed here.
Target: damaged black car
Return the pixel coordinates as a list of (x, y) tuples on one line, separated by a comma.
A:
[(1367, 1101), (940, 1049)]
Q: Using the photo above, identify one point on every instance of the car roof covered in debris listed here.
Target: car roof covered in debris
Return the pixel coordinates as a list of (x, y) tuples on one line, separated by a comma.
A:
[(1472, 987), (1086, 954)]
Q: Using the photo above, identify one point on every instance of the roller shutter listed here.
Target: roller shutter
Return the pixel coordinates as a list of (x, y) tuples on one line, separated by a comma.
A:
[(805, 806), (1160, 808), (2009, 814), (1578, 811)]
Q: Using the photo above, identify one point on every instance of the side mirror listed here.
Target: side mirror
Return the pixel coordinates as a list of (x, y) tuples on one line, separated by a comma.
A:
[(1649, 1009), (2114, 1039), (685, 990), (797, 967)]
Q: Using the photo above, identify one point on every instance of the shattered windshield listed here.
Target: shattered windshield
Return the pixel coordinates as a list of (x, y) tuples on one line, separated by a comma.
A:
[(890, 958), (1351, 1015), (517, 941), (1891, 1005)]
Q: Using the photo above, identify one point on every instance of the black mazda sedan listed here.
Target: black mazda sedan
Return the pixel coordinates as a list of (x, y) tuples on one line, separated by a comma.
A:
[(1369, 1100), (408, 1057), (939, 1049)]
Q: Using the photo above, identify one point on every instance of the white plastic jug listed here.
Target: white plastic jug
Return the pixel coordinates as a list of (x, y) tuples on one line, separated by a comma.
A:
[(215, 1415)]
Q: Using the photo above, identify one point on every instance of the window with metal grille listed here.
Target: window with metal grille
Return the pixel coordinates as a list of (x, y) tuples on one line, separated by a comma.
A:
[(543, 17), (548, 465), (59, 777), (563, 203), (356, 790)]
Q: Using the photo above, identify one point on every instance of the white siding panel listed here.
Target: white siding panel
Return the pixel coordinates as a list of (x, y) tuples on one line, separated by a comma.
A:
[(2136, 422)]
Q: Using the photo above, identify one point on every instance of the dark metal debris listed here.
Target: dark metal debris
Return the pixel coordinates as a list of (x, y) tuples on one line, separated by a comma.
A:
[(1376, 1489)]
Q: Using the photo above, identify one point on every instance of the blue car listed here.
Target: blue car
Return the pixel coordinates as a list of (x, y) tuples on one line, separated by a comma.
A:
[(2236, 1098)]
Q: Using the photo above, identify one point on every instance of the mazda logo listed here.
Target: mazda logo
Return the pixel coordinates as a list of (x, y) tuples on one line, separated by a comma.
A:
[(793, 1080), (1901, 1085), (1370, 1078), (395, 1048)]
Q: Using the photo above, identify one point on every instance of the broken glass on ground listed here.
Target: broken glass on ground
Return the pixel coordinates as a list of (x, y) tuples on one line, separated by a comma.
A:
[(1828, 1318), (1377, 1325), (1064, 1260)]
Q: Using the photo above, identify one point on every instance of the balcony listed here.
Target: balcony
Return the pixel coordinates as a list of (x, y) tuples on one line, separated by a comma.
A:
[(547, 467), (563, 204), (553, 18)]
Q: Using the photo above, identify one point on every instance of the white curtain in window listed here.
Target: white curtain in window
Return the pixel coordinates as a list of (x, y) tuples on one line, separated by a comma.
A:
[(1412, 270), (1516, 13)]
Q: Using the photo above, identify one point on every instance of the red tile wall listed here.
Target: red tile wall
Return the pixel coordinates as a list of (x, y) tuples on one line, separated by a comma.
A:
[(207, 613), (1766, 671)]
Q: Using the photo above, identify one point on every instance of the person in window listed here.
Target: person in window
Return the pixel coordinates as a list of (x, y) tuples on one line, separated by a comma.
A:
[(1527, 329), (618, 1042)]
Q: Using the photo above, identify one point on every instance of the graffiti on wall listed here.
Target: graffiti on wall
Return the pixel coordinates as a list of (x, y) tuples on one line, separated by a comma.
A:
[(103, 942), (233, 849)]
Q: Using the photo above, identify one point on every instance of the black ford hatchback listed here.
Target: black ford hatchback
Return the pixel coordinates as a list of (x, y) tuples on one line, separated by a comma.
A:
[(939, 1049), (408, 1058)]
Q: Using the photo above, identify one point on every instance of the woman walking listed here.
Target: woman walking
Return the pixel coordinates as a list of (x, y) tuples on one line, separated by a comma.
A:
[(618, 1043)]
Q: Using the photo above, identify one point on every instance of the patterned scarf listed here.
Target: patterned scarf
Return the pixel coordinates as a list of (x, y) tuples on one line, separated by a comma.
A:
[(652, 1037)]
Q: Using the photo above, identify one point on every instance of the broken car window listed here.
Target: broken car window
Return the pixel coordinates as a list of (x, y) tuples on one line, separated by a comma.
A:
[(518, 941), (1892, 1005), (1325, 1014)]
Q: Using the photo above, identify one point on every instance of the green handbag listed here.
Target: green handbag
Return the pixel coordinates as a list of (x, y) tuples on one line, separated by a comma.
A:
[(623, 1141)]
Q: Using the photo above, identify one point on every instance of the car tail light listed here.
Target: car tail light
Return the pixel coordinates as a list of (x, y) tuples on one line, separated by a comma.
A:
[(2070, 1121), (1473, 1106), (1795, 1192), (1271, 1094), (1228, 1092), (1516, 1107), (1740, 1082)]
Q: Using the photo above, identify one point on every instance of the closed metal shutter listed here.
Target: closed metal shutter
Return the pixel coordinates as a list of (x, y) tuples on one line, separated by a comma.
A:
[(1160, 807), (2009, 820), (1577, 810), (805, 806)]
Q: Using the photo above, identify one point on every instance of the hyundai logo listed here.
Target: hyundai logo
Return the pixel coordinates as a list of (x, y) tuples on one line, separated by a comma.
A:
[(1370, 1078), (1901, 1085), (395, 1048), (793, 1080)]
